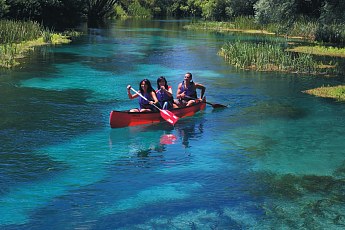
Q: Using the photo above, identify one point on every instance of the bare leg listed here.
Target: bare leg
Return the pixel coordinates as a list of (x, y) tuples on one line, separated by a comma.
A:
[(191, 102), (145, 110)]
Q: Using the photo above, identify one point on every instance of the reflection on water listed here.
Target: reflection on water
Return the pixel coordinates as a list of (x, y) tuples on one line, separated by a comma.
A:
[(190, 129), (146, 139)]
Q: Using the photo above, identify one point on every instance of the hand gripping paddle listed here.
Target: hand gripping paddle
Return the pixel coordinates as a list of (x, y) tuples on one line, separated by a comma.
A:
[(165, 114)]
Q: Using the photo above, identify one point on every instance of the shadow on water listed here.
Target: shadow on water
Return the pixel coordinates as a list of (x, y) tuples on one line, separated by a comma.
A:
[(31, 119)]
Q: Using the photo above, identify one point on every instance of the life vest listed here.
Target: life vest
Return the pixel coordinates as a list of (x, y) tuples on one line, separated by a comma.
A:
[(163, 97), (145, 104), (190, 91)]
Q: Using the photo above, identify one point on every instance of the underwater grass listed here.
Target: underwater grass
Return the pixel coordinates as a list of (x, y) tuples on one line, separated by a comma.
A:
[(335, 92)]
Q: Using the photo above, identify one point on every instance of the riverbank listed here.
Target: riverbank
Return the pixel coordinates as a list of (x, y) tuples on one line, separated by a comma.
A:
[(19, 37), (334, 92), (10, 54), (271, 56)]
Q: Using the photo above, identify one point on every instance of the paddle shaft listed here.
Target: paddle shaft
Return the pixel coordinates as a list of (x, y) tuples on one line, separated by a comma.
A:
[(212, 104), (165, 114), (144, 98)]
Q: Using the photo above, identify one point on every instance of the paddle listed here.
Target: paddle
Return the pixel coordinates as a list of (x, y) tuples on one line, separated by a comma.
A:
[(165, 114), (213, 104)]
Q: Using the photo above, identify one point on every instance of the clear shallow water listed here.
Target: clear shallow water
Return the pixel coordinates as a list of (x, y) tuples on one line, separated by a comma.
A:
[(274, 159)]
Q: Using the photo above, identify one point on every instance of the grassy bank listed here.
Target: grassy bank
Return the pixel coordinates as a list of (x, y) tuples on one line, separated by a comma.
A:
[(335, 92), (271, 57), (320, 50), (268, 56), (17, 38)]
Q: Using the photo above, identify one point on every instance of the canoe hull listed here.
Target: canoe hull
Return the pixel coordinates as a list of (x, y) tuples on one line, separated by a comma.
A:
[(119, 119)]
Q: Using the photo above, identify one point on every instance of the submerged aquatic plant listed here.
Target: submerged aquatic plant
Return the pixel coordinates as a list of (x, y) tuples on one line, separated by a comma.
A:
[(302, 201)]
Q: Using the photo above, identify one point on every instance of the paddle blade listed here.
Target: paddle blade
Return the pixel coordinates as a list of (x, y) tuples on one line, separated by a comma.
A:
[(218, 106), (169, 116)]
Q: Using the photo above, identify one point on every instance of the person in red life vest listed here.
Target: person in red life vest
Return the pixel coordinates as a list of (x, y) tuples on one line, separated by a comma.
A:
[(148, 92), (164, 94), (186, 92)]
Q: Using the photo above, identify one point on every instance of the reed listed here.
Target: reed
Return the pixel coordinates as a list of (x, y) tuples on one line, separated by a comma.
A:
[(19, 31), (17, 37), (265, 56), (304, 28), (7, 54), (210, 25), (246, 23), (239, 24)]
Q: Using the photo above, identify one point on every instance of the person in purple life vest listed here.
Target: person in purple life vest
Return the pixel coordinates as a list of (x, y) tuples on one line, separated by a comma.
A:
[(186, 92), (146, 90), (165, 94)]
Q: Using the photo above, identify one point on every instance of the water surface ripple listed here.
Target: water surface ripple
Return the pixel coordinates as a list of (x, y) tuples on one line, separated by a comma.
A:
[(273, 160)]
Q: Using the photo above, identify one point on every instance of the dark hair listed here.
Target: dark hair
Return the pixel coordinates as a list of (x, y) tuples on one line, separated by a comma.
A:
[(149, 86), (190, 74), (159, 80)]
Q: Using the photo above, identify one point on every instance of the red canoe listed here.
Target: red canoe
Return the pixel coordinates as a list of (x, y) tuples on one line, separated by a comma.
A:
[(119, 119)]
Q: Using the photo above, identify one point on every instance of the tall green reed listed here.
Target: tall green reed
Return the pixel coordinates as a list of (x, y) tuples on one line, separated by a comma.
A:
[(19, 31), (264, 56)]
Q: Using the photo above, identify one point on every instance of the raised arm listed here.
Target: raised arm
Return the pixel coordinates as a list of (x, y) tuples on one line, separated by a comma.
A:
[(130, 95)]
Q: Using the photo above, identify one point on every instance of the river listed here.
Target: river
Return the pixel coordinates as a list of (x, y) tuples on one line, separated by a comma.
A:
[(274, 159)]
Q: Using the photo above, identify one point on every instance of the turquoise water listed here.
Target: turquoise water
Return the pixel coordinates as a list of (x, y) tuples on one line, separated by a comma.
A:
[(273, 160)]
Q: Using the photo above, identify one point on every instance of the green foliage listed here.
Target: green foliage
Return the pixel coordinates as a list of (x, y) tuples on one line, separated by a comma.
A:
[(212, 9), (333, 33), (268, 11), (99, 10), (237, 8), (7, 55), (243, 22), (17, 37), (3, 8), (136, 10), (333, 12), (335, 92), (119, 12), (265, 56), (303, 27), (18, 31), (52, 13), (322, 20)]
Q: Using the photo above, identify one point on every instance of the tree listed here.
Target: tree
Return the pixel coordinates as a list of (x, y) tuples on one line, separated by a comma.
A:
[(237, 8), (3, 8), (57, 14), (333, 11), (268, 11), (98, 10)]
